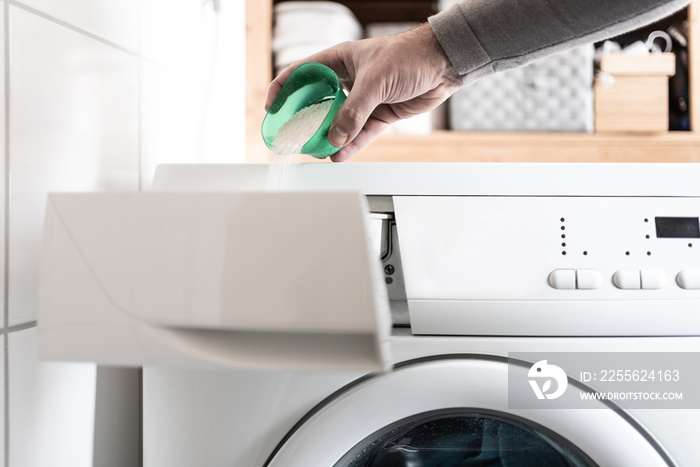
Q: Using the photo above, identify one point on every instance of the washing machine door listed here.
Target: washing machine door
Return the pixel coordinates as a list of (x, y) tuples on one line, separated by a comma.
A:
[(454, 412)]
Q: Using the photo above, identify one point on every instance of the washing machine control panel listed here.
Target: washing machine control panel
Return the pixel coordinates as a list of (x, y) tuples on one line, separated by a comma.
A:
[(680, 229), (620, 256)]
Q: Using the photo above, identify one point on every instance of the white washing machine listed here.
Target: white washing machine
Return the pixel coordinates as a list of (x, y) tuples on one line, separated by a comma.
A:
[(270, 335)]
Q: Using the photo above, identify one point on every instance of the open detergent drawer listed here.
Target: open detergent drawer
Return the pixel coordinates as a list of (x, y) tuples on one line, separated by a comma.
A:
[(245, 279)]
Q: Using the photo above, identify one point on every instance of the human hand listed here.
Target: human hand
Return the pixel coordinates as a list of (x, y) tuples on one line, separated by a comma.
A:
[(388, 78)]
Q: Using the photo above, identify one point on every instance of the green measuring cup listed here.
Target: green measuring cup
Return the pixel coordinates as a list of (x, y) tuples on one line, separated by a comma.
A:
[(309, 84)]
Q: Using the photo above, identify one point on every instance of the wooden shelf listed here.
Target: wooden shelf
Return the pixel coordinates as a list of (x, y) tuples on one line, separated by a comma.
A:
[(453, 146)]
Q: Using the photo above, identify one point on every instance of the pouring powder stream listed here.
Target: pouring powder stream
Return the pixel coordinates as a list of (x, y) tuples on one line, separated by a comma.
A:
[(291, 138)]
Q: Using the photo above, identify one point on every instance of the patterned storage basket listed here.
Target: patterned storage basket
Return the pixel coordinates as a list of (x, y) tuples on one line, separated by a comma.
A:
[(551, 94)]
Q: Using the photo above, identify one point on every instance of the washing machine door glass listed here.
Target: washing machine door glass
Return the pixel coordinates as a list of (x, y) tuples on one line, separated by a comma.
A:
[(464, 438)]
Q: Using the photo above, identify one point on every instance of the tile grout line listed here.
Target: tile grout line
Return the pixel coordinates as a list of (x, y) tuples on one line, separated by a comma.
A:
[(19, 327), (93, 36), (69, 26), (6, 266)]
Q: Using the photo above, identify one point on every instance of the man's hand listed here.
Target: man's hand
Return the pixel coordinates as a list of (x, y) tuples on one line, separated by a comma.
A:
[(388, 78)]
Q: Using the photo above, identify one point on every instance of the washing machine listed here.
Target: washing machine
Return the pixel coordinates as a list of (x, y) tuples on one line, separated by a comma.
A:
[(392, 314)]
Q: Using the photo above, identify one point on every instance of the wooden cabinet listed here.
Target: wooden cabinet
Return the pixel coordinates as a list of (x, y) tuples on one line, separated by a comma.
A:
[(452, 146)]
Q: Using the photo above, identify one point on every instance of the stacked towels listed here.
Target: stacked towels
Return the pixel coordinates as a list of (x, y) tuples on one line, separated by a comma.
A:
[(304, 28)]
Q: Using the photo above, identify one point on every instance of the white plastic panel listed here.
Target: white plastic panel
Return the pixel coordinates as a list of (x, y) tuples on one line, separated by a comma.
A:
[(248, 279), (476, 248), (448, 179), (191, 416), (484, 265), (555, 317)]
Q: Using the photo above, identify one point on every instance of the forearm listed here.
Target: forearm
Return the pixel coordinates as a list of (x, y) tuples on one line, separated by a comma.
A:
[(481, 37)]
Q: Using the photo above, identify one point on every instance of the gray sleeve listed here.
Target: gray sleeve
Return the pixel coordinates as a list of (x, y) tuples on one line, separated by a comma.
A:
[(481, 37)]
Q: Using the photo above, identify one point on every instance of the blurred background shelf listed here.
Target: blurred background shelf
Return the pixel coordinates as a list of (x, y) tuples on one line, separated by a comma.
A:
[(467, 146), (453, 146)]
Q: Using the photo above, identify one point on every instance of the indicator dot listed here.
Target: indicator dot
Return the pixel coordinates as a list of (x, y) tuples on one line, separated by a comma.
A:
[(647, 236), (563, 228), (646, 220), (627, 253), (690, 245), (562, 219), (563, 235), (648, 253), (563, 244), (585, 253), (563, 253)]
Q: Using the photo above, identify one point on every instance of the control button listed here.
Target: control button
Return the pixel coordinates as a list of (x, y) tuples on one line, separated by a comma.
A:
[(627, 279), (689, 279), (588, 279), (563, 279), (652, 279)]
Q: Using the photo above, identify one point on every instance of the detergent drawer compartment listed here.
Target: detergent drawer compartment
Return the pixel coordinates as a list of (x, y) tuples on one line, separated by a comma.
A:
[(246, 279)]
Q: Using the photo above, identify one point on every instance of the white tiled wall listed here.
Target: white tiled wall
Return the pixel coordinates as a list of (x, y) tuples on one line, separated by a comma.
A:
[(2, 398), (169, 126), (175, 32), (114, 20), (100, 92), (51, 407), (192, 82), (3, 203), (73, 127)]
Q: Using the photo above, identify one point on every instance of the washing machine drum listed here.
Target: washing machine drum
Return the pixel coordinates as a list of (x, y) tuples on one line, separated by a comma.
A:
[(462, 438), (454, 412)]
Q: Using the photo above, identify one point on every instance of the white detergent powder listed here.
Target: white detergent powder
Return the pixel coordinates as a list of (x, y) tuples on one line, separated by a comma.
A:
[(300, 128), (290, 139)]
